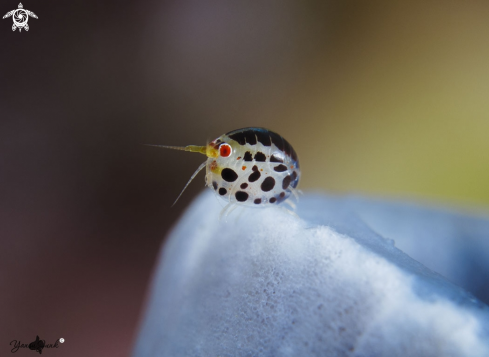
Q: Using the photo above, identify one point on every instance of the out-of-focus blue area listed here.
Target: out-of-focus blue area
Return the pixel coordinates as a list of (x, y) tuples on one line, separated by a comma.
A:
[(262, 282), (454, 244)]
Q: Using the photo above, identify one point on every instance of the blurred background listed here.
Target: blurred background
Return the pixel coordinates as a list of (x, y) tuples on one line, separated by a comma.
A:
[(378, 98)]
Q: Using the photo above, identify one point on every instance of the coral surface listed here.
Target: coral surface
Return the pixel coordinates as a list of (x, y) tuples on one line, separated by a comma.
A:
[(264, 283)]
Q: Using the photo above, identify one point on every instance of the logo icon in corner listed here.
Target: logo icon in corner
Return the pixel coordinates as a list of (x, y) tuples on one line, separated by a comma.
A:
[(20, 17), (37, 345)]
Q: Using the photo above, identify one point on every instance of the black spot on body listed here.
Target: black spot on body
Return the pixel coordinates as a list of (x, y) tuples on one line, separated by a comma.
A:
[(250, 137), (229, 175), (287, 147), (277, 140), (254, 176), (276, 159), (295, 180), (286, 182), (257, 201), (268, 184), (244, 136), (239, 137), (214, 184), (273, 200), (248, 156), (241, 196), (280, 168), (266, 138), (282, 197), (222, 191), (244, 185), (259, 156), (293, 155), (263, 137), (254, 168)]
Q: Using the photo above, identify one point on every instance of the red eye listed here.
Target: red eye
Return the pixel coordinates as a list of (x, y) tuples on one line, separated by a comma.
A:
[(225, 150)]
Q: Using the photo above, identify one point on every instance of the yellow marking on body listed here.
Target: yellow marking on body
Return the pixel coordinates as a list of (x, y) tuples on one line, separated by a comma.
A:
[(210, 151), (215, 168)]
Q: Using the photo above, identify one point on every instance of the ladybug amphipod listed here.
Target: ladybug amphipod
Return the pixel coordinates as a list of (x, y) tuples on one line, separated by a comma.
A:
[(251, 166)]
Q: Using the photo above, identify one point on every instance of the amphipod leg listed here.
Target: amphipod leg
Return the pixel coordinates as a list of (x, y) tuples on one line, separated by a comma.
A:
[(193, 176), (290, 203), (226, 208), (295, 192), (292, 213), (234, 206), (240, 213)]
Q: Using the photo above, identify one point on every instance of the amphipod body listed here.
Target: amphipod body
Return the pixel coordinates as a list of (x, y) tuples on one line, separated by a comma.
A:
[(250, 166)]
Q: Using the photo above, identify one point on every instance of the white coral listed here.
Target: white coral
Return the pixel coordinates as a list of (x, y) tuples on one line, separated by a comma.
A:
[(268, 284)]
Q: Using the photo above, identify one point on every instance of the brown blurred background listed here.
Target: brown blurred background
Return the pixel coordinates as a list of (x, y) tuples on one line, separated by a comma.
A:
[(377, 98)]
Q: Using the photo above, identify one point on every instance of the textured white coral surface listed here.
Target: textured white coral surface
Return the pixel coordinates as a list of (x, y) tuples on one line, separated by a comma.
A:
[(264, 283)]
